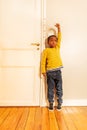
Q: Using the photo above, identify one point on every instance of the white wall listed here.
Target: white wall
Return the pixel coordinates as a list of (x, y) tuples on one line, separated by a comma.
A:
[(72, 16)]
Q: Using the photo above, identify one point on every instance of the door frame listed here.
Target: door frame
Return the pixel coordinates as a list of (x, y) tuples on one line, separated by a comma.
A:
[(43, 90)]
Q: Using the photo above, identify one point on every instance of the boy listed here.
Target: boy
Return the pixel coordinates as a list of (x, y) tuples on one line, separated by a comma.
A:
[(51, 65)]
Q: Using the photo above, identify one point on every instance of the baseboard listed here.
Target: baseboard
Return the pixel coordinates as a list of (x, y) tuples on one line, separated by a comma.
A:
[(70, 102), (75, 102)]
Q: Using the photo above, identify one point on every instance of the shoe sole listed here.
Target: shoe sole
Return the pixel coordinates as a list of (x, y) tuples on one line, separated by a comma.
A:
[(59, 109), (51, 109)]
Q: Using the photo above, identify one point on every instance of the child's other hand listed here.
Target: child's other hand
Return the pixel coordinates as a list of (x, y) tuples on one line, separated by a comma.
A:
[(57, 25), (44, 74)]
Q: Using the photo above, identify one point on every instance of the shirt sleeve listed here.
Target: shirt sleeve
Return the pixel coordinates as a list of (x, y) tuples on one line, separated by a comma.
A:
[(43, 61), (59, 40)]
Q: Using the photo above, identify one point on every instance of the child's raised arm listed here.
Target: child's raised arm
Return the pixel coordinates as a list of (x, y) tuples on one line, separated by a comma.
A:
[(59, 34)]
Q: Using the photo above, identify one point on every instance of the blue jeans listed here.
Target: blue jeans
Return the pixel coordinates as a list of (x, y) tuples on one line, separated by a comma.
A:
[(54, 79)]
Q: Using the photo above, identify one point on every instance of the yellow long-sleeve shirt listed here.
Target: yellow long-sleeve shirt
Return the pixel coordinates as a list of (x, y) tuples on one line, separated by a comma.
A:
[(51, 58)]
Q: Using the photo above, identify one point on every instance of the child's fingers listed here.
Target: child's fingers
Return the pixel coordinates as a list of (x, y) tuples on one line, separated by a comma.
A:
[(57, 25)]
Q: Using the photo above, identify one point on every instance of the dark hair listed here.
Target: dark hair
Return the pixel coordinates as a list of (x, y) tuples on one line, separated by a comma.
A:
[(50, 37)]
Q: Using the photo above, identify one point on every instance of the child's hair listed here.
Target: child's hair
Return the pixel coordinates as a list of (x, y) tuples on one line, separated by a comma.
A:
[(50, 37)]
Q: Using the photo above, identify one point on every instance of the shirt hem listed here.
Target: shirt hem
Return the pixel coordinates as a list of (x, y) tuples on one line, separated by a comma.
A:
[(55, 69)]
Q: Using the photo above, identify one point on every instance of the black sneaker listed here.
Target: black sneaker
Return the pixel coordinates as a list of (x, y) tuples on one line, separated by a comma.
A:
[(59, 107), (51, 106)]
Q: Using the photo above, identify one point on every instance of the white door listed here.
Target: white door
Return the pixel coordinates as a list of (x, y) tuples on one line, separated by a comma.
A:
[(20, 36)]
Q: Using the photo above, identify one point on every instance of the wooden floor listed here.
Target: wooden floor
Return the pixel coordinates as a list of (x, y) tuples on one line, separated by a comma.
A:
[(39, 118)]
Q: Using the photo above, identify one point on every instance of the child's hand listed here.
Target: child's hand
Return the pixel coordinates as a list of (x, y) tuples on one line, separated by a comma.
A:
[(44, 74), (57, 25)]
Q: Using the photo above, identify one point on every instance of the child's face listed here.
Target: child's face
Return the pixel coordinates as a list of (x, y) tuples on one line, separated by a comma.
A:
[(52, 42)]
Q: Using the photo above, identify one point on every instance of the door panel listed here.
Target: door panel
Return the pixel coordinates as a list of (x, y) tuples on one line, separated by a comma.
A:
[(19, 58)]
